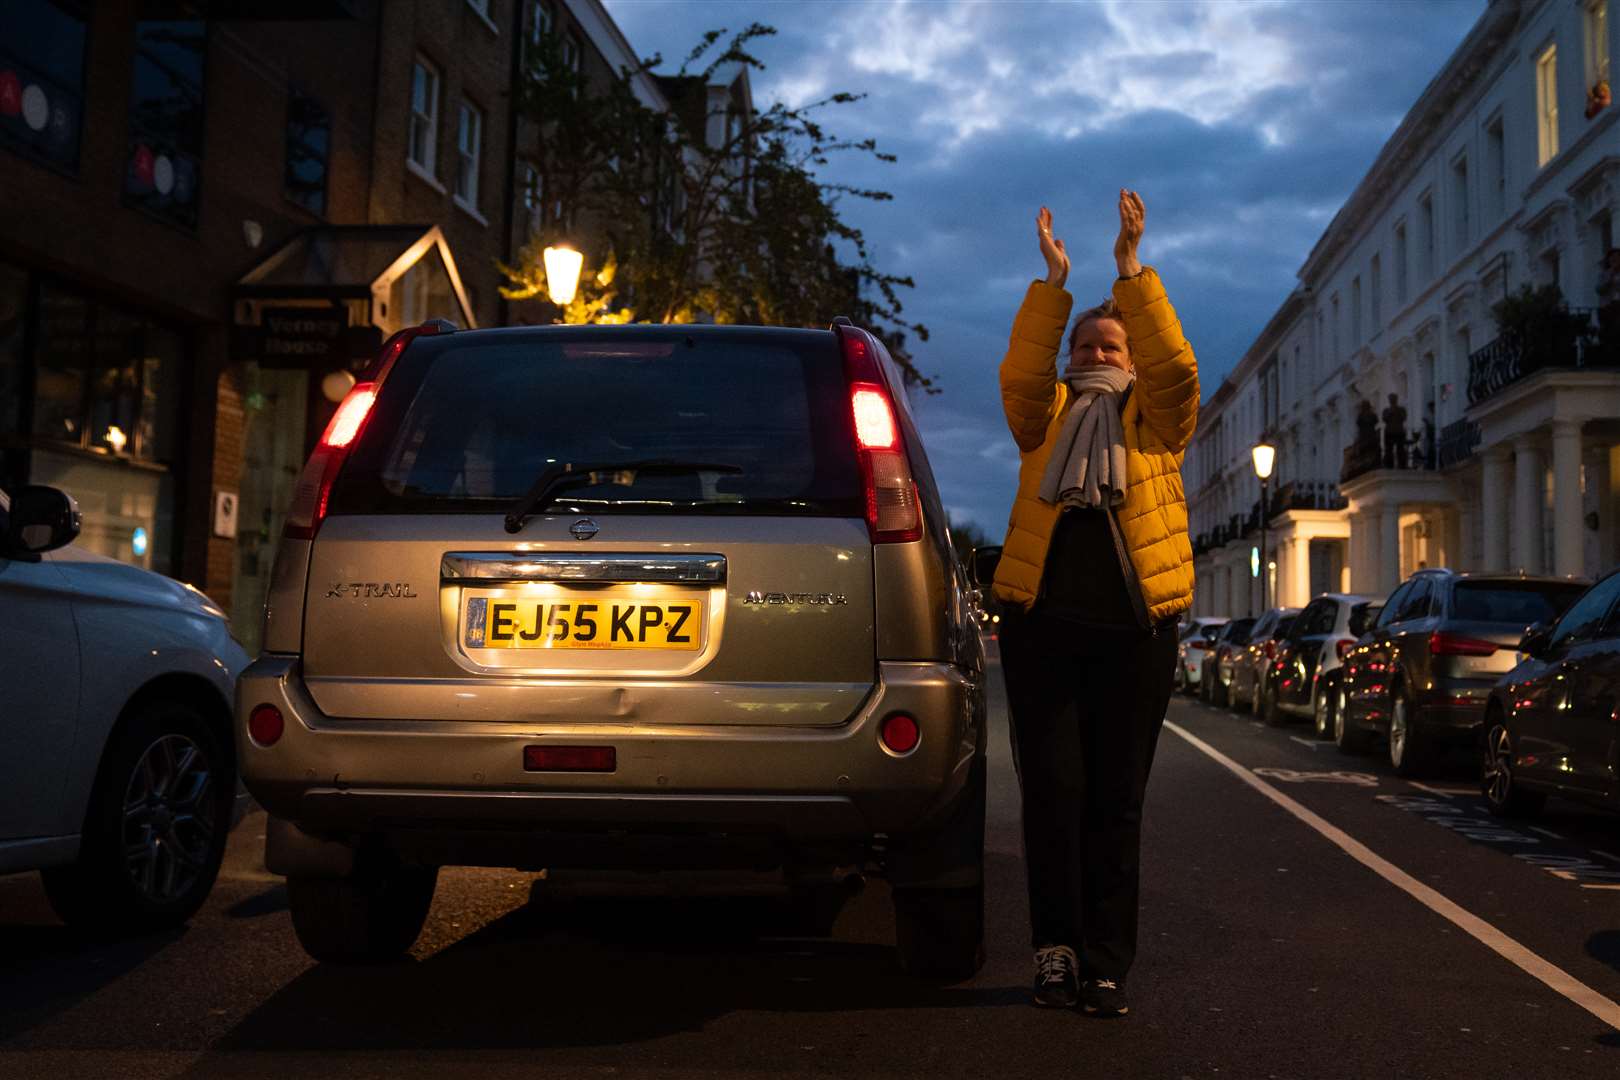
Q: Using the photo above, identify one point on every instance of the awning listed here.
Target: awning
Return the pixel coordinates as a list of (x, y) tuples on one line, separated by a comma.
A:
[(407, 272)]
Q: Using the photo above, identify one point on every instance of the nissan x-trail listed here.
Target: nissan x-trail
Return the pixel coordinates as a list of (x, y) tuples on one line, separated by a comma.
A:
[(619, 597)]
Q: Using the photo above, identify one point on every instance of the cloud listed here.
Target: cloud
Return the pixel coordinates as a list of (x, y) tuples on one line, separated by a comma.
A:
[(1243, 125)]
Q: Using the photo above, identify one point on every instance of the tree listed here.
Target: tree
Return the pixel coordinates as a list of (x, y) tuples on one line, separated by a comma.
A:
[(736, 228)]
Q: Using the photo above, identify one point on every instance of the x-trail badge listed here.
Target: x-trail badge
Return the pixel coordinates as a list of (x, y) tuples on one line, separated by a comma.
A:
[(583, 529)]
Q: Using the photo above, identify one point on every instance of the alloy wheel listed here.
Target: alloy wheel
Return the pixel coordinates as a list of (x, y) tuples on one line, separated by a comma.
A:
[(169, 818), (1338, 718), (1319, 713), (1398, 733)]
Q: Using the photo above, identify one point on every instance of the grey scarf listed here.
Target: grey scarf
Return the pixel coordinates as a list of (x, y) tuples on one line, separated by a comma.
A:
[(1087, 466)]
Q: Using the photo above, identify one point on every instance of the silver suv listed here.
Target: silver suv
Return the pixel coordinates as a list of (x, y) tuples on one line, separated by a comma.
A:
[(609, 597)]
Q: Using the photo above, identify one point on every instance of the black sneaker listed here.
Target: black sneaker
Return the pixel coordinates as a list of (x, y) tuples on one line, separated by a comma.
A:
[(1056, 983), (1104, 998)]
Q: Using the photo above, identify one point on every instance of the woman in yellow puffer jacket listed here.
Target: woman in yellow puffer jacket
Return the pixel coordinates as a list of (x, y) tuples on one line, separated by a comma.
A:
[(1094, 571)]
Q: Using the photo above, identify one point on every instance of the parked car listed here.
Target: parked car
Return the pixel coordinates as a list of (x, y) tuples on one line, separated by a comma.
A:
[(1196, 638), (1422, 674), (619, 596), (1308, 657), (1216, 674), (1251, 664), (1550, 722), (117, 771)]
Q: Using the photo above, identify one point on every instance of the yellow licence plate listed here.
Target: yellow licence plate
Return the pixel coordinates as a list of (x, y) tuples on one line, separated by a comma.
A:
[(596, 621)]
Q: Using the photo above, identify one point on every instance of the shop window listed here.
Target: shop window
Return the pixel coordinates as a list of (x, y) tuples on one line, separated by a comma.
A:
[(166, 120), (309, 145), (42, 79)]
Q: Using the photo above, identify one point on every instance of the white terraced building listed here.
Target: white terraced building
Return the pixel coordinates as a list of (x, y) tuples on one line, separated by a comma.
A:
[(1504, 174)]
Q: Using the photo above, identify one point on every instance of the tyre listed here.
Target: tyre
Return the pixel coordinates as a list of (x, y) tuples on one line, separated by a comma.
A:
[(1410, 750), (1503, 795), (1220, 694), (154, 833), (1322, 703), (939, 929), (1346, 736), (370, 917), (1269, 710)]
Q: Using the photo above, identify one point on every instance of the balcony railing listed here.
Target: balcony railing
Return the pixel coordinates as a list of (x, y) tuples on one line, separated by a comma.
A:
[(1510, 358), (1458, 441)]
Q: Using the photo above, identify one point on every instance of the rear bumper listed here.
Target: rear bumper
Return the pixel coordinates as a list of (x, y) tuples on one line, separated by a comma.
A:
[(432, 782)]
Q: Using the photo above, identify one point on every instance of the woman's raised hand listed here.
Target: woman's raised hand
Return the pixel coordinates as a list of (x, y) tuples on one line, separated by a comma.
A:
[(1057, 259), (1131, 216)]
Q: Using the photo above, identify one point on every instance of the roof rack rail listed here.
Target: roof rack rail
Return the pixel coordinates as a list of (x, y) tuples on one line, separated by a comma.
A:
[(842, 320), (441, 326)]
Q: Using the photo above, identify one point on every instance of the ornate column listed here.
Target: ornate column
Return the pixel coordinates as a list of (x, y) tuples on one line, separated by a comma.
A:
[(1493, 510), (1598, 480), (1526, 553), (1389, 548), (1568, 524), (1299, 571), (1353, 551)]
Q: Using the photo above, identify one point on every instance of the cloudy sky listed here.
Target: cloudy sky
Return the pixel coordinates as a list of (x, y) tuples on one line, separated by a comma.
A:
[(1244, 124)]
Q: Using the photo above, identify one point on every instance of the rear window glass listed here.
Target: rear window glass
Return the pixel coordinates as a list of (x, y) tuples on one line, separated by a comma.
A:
[(1362, 616), (469, 425), (1284, 624), (1519, 604)]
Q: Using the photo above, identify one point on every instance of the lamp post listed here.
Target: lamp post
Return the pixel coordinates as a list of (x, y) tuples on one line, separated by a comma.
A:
[(563, 264), (1265, 456)]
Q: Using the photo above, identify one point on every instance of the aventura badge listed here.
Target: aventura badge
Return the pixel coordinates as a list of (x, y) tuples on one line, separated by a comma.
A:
[(774, 598)]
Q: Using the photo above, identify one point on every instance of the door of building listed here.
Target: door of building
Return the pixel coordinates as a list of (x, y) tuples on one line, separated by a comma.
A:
[(276, 411)]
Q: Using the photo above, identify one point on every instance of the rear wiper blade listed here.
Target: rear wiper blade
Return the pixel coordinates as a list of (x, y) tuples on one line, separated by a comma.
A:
[(566, 474)]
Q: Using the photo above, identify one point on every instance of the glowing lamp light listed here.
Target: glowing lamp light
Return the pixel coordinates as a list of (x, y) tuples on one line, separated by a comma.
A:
[(563, 265), (874, 420), (116, 438), (1265, 455), (336, 386), (137, 542)]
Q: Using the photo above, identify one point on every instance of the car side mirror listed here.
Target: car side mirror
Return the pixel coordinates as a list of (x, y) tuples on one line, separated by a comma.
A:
[(982, 563), (1536, 639), (41, 519)]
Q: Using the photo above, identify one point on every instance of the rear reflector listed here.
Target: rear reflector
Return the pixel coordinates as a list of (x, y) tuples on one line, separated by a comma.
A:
[(569, 758), (1444, 644), (265, 725), (900, 733)]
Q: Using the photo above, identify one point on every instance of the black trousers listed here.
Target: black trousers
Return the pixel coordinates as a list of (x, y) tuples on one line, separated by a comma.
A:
[(1086, 709)]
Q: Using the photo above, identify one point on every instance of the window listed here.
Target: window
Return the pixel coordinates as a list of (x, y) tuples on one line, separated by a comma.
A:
[(1581, 622), (1355, 312), (573, 52), (532, 198), (1459, 197), (1393, 605), (42, 79), (1400, 263), (469, 135), (1333, 332), (13, 320), (1415, 604), (309, 144), (1496, 164), (1597, 45), (542, 20), (1376, 274), (424, 115), (166, 120), (1547, 105), (1426, 234)]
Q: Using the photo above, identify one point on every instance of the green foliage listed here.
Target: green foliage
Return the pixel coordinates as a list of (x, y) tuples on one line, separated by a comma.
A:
[(1539, 323), (740, 231)]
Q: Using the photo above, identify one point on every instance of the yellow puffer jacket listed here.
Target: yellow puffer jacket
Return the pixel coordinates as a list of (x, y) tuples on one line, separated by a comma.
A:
[(1159, 418)]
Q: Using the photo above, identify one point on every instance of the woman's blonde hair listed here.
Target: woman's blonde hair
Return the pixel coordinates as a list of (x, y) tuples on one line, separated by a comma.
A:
[(1108, 309)]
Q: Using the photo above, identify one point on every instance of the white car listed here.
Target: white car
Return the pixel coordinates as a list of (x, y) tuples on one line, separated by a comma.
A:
[(1197, 636), (117, 762)]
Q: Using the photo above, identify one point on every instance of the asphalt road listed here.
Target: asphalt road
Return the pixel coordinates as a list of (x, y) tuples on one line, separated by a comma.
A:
[(1268, 951)]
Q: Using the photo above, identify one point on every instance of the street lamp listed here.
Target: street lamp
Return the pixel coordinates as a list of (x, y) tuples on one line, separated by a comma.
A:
[(1265, 456), (563, 264)]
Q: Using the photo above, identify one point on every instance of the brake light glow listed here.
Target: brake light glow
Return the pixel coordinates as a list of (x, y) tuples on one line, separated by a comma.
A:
[(893, 508), (350, 416), (1271, 648), (1444, 644), (569, 758)]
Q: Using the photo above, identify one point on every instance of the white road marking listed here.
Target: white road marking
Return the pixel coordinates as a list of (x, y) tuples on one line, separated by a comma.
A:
[(1554, 977), (1256, 723), (1299, 776), (1309, 744), (1430, 790), (1544, 832)]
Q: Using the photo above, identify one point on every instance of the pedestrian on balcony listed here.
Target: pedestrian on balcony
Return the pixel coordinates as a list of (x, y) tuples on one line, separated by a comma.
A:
[(1094, 572)]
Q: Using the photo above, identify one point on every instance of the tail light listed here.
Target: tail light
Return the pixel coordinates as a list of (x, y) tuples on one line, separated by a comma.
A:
[(314, 488), (1271, 648), (1344, 645), (1444, 644), (570, 759), (893, 510)]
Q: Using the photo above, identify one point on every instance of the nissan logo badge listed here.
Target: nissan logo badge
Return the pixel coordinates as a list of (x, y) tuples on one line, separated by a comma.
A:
[(583, 529)]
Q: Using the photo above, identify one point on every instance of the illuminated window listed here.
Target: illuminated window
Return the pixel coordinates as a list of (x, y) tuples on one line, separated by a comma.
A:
[(1597, 42), (1547, 105)]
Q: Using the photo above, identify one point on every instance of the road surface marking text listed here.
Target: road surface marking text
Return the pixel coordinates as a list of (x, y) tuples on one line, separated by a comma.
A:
[(1554, 977), (1298, 776)]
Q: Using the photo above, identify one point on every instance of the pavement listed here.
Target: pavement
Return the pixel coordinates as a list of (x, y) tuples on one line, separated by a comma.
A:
[(1305, 914)]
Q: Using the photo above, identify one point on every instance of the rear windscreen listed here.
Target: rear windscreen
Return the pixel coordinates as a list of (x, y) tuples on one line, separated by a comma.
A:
[(1362, 617), (469, 426), (1516, 603), (1284, 624)]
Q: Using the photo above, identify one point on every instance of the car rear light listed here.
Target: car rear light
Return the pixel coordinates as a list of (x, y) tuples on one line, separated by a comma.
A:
[(893, 510), (1344, 645), (569, 758), (1444, 644), (314, 490), (265, 725), (900, 733), (1271, 648)]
